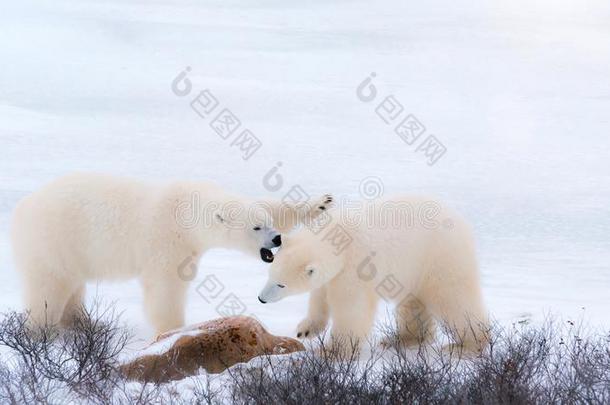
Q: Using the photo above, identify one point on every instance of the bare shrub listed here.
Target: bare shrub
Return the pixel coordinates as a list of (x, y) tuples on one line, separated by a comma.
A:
[(523, 364), (80, 364), (47, 365), (546, 364), (332, 375)]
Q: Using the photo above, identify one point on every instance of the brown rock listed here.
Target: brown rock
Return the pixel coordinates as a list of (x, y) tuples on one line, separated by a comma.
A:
[(214, 345)]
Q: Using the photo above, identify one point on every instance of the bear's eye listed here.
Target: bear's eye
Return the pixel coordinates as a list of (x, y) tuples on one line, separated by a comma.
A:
[(257, 228), (281, 285)]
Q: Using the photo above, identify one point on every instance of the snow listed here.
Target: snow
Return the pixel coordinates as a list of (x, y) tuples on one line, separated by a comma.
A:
[(517, 91), (160, 347)]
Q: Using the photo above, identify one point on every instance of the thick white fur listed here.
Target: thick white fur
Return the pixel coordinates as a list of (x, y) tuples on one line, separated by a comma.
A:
[(431, 255), (86, 227)]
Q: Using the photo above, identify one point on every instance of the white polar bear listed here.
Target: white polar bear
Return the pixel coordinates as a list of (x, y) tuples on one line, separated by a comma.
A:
[(86, 227), (411, 250)]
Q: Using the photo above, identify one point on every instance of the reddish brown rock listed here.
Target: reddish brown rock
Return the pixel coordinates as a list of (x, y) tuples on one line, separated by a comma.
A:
[(214, 346)]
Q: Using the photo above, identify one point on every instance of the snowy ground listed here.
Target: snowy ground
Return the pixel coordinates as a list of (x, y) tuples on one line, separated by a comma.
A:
[(518, 92)]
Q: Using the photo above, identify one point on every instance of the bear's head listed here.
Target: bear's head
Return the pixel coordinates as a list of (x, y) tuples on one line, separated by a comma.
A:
[(248, 228), (304, 263)]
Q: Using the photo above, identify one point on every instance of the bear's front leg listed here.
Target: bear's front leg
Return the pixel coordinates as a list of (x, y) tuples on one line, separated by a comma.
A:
[(308, 212), (164, 300), (317, 315), (353, 314), (286, 216)]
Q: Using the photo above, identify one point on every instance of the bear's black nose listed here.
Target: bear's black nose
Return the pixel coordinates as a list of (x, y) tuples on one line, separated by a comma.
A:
[(264, 302), (266, 255), (277, 241)]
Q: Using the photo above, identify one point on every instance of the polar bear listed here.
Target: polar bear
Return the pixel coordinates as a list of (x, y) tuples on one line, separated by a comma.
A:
[(86, 227), (410, 250)]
